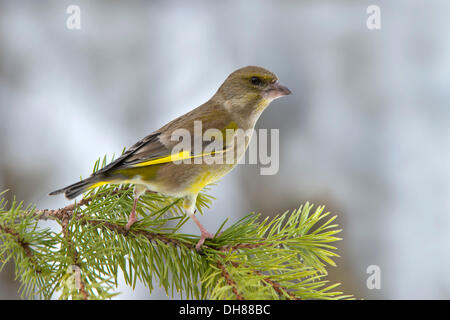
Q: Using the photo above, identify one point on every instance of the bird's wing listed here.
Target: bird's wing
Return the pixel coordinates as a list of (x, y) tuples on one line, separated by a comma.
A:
[(150, 151), (156, 148), (147, 149)]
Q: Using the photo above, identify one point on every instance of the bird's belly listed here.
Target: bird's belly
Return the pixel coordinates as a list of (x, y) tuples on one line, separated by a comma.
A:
[(179, 180), (211, 174), (182, 179)]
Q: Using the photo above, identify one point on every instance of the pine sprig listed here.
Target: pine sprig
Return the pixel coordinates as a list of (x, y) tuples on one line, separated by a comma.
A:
[(280, 258)]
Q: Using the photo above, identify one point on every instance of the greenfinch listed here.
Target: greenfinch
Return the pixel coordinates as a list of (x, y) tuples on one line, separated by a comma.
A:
[(157, 162)]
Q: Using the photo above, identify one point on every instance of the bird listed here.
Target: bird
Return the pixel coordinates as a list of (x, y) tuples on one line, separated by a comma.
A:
[(157, 162)]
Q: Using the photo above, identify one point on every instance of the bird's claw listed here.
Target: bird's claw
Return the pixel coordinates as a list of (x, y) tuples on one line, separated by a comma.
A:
[(204, 235)]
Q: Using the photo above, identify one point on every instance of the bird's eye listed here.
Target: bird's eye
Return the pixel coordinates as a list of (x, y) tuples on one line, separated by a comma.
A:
[(255, 81)]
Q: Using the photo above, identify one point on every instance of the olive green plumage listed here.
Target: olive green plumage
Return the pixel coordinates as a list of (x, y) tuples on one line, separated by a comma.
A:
[(238, 103)]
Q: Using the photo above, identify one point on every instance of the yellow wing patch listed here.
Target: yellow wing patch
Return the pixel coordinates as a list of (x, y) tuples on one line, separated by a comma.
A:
[(98, 184), (175, 157)]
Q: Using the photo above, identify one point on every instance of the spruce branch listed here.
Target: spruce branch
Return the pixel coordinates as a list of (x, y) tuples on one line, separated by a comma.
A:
[(280, 258)]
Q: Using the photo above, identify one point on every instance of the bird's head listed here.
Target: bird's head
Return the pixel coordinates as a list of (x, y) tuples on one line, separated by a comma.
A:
[(251, 87)]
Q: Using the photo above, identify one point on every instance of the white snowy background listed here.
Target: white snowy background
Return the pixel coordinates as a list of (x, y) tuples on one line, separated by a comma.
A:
[(366, 133)]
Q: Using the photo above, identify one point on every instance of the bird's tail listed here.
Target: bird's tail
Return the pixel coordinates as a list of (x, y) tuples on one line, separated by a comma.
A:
[(78, 188)]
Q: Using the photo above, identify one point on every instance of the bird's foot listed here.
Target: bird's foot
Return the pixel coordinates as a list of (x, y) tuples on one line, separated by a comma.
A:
[(131, 220), (204, 235)]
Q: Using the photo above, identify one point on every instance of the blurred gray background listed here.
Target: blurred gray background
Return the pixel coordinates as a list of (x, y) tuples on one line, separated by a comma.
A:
[(366, 133)]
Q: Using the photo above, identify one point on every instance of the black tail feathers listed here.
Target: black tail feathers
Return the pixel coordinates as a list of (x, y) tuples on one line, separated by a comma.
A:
[(77, 188)]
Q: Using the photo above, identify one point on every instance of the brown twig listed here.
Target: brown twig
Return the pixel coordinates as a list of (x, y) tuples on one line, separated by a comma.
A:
[(240, 246), (152, 236), (279, 289), (72, 250), (83, 291), (25, 246), (229, 281)]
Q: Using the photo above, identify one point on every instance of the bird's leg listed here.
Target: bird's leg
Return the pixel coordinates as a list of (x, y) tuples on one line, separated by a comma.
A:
[(132, 217), (138, 191), (204, 233)]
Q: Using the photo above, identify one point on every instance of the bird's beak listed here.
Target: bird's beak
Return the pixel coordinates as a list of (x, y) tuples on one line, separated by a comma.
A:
[(276, 90)]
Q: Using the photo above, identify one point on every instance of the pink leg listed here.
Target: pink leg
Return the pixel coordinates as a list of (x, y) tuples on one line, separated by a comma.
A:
[(204, 233), (132, 217)]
